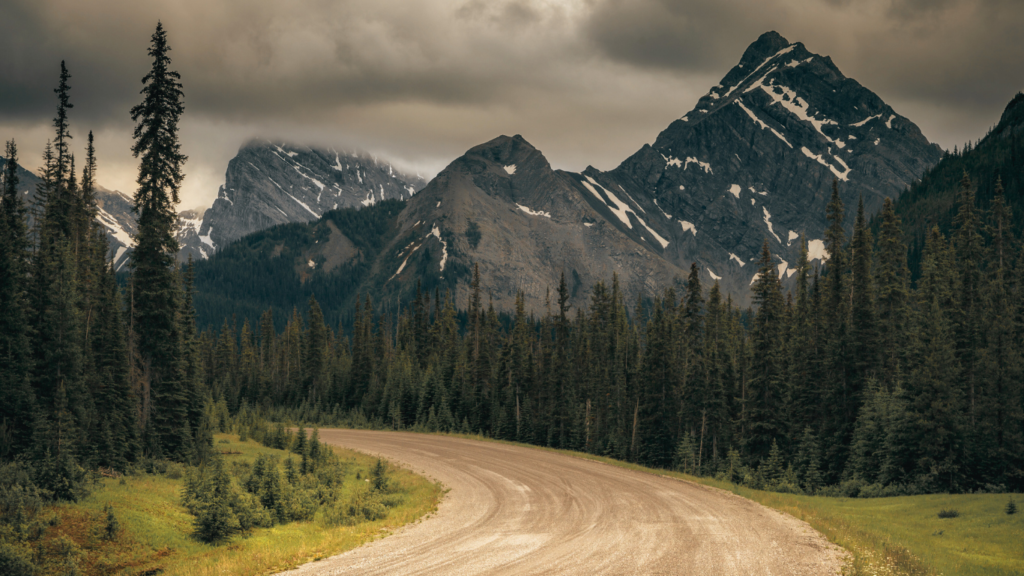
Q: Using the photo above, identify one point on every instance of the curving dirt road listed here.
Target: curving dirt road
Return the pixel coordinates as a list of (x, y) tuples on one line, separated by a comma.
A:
[(515, 510)]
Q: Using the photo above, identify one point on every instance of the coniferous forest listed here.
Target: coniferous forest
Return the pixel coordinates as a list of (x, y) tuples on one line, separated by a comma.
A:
[(95, 376), (854, 383)]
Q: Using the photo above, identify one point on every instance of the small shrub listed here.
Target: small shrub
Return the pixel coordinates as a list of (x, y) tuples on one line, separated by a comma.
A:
[(851, 488), (67, 555), (787, 488), (174, 470), (14, 562), (223, 441), (112, 526), (251, 513), (948, 513), (379, 476), (1011, 508)]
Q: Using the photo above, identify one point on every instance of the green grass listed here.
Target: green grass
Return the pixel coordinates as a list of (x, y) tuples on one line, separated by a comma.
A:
[(156, 531), (897, 536)]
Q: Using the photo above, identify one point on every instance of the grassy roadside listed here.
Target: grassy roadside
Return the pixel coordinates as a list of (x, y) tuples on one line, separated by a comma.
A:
[(155, 535), (890, 536)]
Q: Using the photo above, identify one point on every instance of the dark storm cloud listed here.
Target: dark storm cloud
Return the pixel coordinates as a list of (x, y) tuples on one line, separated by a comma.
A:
[(962, 56), (587, 81)]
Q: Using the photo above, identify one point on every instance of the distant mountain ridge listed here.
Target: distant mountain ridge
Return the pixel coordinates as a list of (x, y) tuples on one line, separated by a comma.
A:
[(274, 183), (269, 183), (753, 161)]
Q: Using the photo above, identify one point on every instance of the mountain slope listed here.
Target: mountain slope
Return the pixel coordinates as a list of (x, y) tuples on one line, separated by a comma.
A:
[(500, 206), (269, 183), (754, 160), (999, 156), (533, 224), (756, 157)]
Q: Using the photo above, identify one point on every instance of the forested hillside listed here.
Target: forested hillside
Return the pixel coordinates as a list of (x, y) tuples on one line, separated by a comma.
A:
[(997, 159), (284, 265), (853, 384)]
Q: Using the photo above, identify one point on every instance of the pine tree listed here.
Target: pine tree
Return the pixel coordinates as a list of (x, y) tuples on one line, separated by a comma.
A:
[(863, 323), (156, 294), (17, 401), (195, 389), (936, 401), (967, 320), (113, 395), (840, 397), (764, 398), (892, 281)]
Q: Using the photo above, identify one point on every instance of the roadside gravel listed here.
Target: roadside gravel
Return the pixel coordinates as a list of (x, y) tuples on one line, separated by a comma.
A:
[(516, 510)]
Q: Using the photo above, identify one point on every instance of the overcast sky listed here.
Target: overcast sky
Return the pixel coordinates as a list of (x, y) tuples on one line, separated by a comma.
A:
[(420, 82)]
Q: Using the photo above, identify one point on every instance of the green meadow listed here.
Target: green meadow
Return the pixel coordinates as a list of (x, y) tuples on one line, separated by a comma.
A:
[(156, 532)]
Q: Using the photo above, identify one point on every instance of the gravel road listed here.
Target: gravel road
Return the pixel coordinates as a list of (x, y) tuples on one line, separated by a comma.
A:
[(515, 510)]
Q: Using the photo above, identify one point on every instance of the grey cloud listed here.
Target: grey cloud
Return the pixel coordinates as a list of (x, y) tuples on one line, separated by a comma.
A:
[(587, 81)]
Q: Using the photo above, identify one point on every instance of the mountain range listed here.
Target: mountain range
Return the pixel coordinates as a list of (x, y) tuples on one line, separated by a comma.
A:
[(753, 161), (266, 184)]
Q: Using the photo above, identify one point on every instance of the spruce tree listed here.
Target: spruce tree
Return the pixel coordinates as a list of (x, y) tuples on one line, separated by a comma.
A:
[(763, 400), (936, 401), (156, 293), (967, 318), (114, 398), (17, 401), (892, 279), (840, 398), (863, 323)]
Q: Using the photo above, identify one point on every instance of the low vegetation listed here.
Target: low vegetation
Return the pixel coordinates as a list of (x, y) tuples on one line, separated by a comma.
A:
[(250, 509)]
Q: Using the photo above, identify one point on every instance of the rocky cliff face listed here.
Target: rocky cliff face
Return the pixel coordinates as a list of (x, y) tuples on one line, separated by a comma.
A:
[(502, 207), (755, 159), (270, 183)]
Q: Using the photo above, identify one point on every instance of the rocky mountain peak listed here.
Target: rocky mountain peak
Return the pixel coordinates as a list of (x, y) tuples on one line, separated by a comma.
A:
[(765, 46), (276, 182), (755, 158)]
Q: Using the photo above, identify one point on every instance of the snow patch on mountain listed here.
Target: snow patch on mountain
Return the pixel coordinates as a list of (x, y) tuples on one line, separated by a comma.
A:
[(816, 251), (534, 212), (768, 222)]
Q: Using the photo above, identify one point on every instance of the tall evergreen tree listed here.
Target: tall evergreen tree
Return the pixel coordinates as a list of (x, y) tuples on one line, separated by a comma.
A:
[(156, 292), (892, 278), (863, 322), (17, 401), (763, 401), (840, 397), (967, 320)]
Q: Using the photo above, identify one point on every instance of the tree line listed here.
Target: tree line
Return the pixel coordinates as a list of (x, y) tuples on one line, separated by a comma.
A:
[(95, 376), (854, 381)]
